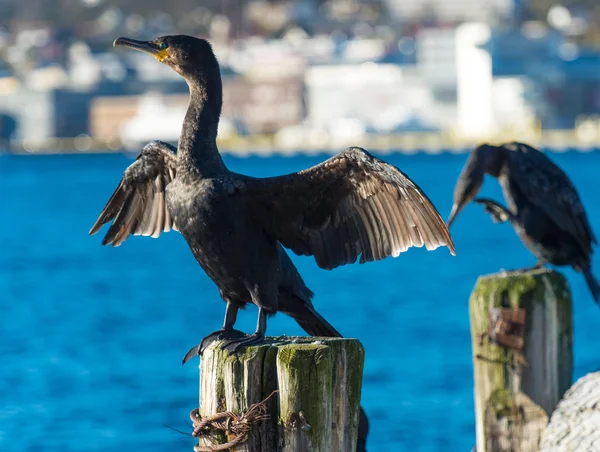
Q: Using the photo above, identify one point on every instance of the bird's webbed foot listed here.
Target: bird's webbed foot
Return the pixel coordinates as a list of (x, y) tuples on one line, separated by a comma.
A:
[(219, 335), (235, 345)]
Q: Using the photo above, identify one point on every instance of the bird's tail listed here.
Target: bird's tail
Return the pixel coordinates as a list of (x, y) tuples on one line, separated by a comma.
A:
[(313, 323), (592, 283)]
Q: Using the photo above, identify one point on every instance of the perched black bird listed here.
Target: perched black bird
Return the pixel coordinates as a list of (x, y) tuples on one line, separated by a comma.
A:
[(543, 206), (348, 206)]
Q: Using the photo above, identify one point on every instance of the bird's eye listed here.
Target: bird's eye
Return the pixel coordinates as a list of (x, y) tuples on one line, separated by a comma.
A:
[(163, 45)]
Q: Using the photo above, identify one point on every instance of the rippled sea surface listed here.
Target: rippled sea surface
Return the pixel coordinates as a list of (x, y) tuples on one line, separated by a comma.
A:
[(91, 337)]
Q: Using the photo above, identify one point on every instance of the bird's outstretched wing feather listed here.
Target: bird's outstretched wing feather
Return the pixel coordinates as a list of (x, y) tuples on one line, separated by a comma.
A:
[(137, 206), (352, 204), (548, 187)]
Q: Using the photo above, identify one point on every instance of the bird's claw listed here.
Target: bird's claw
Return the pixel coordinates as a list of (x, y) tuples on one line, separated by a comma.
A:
[(195, 350), (234, 345), (496, 217), (219, 335)]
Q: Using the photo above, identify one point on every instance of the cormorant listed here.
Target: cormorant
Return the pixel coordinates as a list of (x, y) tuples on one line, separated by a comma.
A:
[(543, 205), (236, 226)]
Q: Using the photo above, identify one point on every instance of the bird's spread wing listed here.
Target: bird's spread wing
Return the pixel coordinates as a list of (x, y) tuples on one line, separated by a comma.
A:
[(352, 204), (548, 187), (137, 206)]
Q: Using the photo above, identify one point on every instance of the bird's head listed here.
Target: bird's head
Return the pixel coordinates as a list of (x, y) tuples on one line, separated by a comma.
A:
[(470, 180), (190, 57)]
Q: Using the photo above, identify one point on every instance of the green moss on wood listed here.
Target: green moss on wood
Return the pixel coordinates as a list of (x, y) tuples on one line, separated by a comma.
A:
[(235, 364), (501, 377), (268, 384), (220, 383), (294, 356), (354, 355), (308, 368), (218, 437), (510, 287), (514, 290), (502, 403)]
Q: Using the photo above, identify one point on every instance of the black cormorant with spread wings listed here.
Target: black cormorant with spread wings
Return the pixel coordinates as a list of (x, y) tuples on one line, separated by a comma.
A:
[(543, 205), (352, 206)]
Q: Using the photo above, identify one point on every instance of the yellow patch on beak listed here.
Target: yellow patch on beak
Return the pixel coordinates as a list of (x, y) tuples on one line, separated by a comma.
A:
[(161, 54)]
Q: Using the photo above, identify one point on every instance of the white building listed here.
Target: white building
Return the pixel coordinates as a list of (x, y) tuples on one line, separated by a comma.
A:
[(473, 81), (380, 96), (450, 10), (436, 56), (467, 98)]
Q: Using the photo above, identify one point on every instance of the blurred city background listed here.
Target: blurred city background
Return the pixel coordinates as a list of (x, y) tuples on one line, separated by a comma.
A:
[(91, 337), (305, 74)]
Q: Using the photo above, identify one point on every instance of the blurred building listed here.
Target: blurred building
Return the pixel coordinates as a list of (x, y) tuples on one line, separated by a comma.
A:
[(44, 115), (303, 68), (450, 11), (467, 97), (249, 107)]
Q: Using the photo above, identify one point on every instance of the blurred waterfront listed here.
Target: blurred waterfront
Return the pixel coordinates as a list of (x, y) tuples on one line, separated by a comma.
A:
[(316, 74), (92, 336)]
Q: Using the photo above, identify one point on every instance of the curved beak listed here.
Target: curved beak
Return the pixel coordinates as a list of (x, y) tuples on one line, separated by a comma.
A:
[(456, 208), (143, 46)]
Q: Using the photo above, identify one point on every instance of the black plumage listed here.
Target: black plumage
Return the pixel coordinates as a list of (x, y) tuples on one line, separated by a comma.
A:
[(543, 205), (352, 206)]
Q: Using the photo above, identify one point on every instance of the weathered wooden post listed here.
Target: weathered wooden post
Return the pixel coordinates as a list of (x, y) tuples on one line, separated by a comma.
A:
[(316, 407), (521, 331)]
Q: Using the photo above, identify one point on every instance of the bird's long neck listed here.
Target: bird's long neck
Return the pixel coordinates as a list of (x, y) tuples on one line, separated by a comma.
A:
[(197, 151), (495, 160)]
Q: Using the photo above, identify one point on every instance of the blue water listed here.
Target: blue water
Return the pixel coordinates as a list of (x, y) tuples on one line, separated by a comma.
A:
[(91, 337)]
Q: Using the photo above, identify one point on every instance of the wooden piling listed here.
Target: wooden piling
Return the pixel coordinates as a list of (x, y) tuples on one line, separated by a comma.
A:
[(521, 329), (316, 408)]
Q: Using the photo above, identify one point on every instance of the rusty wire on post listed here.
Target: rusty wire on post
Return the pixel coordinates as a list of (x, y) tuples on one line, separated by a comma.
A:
[(231, 424)]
